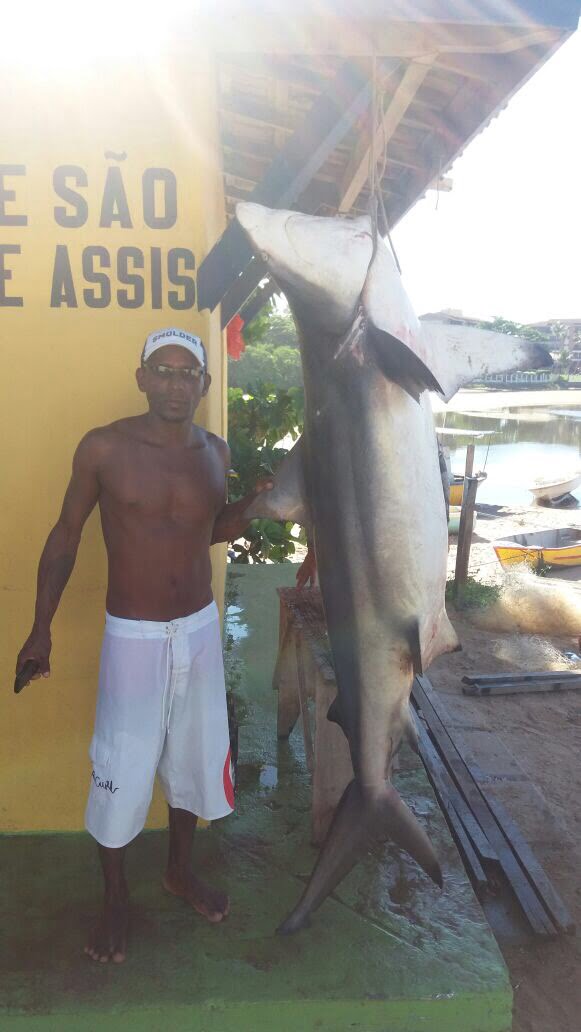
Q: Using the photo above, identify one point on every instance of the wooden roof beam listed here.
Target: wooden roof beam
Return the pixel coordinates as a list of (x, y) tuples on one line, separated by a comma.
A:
[(251, 112), (466, 116), (518, 42), (358, 169), (315, 32)]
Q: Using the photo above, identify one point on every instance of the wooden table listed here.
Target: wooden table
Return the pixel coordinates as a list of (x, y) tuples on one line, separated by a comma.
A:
[(303, 674)]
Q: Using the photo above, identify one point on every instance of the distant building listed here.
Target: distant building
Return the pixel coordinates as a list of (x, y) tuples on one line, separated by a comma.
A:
[(570, 338), (452, 316)]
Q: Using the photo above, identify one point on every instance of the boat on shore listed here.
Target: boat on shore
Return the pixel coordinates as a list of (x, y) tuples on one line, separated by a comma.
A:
[(551, 489), (558, 547), (457, 479), (456, 490)]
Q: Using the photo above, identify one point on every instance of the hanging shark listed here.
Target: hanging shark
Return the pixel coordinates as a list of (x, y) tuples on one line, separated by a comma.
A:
[(365, 479)]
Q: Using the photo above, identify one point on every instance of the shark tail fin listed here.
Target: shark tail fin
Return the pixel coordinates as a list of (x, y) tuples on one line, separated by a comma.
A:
[(361, 819)]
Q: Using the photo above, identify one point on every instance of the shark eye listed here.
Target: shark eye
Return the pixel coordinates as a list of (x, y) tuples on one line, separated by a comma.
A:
[(264, 256)]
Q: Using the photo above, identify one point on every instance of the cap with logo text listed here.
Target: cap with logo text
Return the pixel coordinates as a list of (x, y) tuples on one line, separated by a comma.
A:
[(173, 335)]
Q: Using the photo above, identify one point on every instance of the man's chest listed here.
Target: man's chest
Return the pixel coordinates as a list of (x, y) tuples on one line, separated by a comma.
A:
[(183, 488)]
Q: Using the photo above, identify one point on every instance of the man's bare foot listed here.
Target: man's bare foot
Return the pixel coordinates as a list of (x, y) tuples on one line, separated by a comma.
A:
[(109, 939), (210, 903)]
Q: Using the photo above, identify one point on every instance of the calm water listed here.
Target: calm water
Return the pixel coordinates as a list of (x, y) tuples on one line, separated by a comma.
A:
[(526, 443)]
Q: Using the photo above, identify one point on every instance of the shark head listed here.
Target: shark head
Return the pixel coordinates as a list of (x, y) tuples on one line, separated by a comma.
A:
[(331, 276), (319, 263)]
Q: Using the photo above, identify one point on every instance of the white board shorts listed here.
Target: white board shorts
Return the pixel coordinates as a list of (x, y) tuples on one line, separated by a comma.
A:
[(161, 708)]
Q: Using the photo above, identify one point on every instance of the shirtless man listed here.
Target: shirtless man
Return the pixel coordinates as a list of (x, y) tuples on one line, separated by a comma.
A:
[(160, 482)]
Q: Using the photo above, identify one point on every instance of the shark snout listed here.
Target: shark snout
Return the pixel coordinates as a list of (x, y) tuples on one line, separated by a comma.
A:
[(323, 261), (263, 226)]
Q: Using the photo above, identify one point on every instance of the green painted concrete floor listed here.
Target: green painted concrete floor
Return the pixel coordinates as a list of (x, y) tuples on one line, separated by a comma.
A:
[(389, 953)]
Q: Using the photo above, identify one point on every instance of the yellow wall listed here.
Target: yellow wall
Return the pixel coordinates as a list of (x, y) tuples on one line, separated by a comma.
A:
[(65, 370)]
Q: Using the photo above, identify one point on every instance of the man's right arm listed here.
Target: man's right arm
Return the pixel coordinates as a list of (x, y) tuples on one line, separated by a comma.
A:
[(59, 553)]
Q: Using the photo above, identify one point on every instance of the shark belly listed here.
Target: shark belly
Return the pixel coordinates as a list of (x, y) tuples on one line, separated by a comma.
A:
[(382, 558)]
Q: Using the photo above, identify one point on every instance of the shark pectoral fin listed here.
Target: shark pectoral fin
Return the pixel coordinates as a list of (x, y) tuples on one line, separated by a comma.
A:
[(287, 499), (460, 354), (445, 640), (393, 331), (361, 819), (335, 715)]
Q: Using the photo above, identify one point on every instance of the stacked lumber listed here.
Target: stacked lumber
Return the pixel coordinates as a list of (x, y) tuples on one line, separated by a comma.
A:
[(496, 856), (517, 684)]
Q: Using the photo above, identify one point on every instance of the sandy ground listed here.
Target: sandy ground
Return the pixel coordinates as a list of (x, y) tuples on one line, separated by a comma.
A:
[(543, 733), (479, 400)]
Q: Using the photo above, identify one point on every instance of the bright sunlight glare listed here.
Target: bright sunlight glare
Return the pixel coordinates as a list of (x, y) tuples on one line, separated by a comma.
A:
[(37, 34)]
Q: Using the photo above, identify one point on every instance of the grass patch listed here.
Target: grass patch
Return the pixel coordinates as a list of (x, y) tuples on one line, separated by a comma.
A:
[(472, 595)]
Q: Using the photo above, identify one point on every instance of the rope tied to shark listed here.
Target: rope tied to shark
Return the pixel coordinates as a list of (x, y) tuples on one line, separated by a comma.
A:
[(376, 201)]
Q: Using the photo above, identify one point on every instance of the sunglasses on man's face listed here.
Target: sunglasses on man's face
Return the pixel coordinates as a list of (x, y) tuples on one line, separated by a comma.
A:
[(166, 372)]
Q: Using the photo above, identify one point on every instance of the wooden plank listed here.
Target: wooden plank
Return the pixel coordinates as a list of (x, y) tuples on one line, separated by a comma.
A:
[(433, 762), (448, 796), (303, 699), (535, 913), (241, 290), (333, 769), (532, 675), (522, 687), (259, 299), (284, 679)]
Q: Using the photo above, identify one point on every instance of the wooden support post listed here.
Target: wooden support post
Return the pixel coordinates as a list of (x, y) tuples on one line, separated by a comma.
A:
[(303, 694), (466, 522), (465, 533), (303, 673), (333, 769), (284, 679)]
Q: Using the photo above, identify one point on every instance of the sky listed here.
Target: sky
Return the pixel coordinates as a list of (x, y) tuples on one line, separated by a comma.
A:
[(507, 239)]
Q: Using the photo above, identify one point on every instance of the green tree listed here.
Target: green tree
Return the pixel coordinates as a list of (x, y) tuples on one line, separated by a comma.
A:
[(513, 329), (272, 354), (258, 421), (263, 363)]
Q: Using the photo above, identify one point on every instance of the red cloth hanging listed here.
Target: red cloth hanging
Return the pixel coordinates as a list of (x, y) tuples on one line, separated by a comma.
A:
[(235, 341)]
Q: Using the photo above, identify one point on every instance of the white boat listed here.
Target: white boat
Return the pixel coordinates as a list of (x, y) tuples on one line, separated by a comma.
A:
[(550, 489)]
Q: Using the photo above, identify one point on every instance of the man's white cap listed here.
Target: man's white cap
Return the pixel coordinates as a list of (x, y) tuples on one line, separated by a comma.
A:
[(173, 335)]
